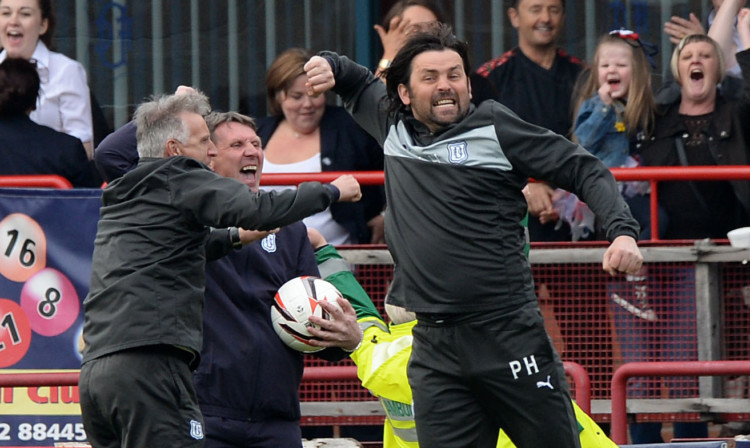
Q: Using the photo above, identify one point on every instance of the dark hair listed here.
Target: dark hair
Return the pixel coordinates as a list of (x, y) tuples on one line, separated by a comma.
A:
[(400, 6), (19, 87), (46, 7), (515, 3), (437, 37)]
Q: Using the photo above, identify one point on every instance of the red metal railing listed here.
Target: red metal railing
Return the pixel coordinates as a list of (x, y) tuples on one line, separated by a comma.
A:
[(656, 174), (363, 177), (574, 370), (664, 368), (582, 384), (39, 379), (651, 174), (35, 181)]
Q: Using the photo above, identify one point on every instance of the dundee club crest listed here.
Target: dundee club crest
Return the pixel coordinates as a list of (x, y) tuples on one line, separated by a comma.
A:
[(269, 243), (196, 430), (457, 152)]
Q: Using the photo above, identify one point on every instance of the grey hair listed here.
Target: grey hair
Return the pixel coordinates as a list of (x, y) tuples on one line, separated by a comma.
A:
[(158, 121)]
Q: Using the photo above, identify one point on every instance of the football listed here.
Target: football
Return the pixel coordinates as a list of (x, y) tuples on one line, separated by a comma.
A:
[(294, 303)]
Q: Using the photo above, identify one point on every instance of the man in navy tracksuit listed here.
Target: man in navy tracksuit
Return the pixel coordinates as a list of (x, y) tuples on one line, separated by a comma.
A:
[(481, 358), (248, 380)]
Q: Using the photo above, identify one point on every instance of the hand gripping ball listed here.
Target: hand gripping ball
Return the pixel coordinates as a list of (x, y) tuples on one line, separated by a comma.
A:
[(294, 303)]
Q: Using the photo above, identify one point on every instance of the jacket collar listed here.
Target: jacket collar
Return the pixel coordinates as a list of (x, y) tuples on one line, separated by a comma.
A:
[(671, 124)]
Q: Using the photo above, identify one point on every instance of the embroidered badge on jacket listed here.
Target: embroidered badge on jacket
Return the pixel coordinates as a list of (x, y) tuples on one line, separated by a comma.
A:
[(269, 243), (196, 430), (458, 152)]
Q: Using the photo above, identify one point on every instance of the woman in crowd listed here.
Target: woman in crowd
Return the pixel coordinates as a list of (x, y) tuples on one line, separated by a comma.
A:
[(402, 18), (702, 127), (303, 135), (26, 31)]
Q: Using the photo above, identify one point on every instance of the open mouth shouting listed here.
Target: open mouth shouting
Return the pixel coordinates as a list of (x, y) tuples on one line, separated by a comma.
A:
[(13, 37), (614, 84), (444, 102), (696, 74), (249, 172), (696, 78)]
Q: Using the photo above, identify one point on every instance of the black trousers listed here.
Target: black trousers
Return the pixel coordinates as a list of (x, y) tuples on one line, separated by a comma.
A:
[(141, 398), (232, 433), (470, 378)]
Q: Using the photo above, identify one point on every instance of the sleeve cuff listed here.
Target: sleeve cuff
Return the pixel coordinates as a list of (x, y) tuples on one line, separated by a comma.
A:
[(335, 193)]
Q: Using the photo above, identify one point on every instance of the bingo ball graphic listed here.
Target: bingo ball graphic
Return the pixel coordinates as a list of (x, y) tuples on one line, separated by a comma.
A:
[(23, 247), (50, 302), (15, 333)]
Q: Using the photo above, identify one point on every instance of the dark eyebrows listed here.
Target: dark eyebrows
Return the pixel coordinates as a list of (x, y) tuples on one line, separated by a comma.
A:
[(434, 71)]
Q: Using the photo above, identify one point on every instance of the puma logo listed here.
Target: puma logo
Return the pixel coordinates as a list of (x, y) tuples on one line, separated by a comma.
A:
[(541, 384)]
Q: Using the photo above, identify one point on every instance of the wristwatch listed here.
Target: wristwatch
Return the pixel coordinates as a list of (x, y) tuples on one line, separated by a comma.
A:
[(234, 237), (384, 64)]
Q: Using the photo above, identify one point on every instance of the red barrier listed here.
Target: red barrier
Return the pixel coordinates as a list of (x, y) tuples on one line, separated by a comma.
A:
[(582, 383), (36, 181), (38, 379), (651, 174), (363, 177), (338, 373), (656, 174), (574, 370), (664, 368), (648, 173)]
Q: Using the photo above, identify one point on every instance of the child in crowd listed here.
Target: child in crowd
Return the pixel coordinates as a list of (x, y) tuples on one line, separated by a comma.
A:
[(614, 111)]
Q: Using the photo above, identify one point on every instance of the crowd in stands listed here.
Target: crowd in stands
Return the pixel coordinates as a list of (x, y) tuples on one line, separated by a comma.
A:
[(64, 104), (537, 80), (608, 105)]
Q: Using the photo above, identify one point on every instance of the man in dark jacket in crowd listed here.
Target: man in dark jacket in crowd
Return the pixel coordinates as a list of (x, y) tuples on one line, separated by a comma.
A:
[(28, 147)]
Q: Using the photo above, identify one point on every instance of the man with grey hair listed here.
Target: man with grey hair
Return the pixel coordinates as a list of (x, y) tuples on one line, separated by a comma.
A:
[(142, 316), (175, 120)]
